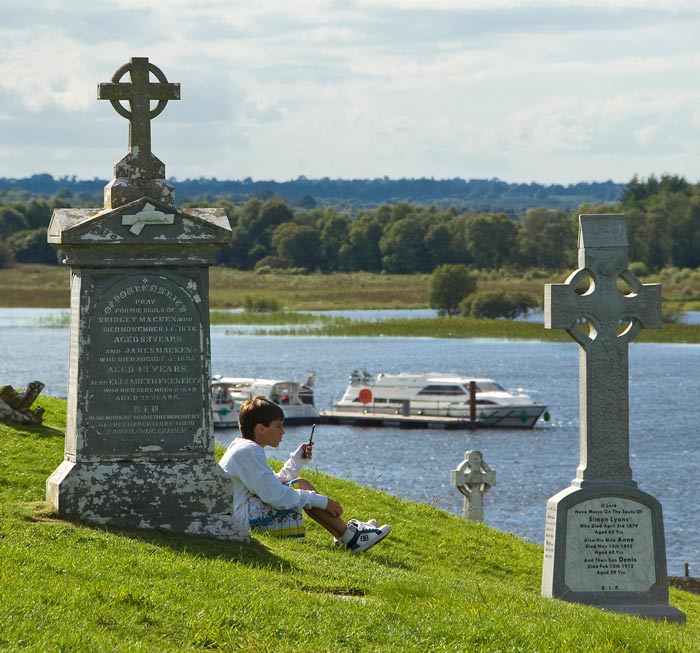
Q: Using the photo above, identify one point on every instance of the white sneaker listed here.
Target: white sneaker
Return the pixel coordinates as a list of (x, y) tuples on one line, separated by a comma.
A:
[(372, 523), (364, 536)]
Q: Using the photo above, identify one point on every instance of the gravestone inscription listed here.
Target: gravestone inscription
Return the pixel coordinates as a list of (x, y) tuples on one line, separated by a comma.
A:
[(604, 537), (139, 439)]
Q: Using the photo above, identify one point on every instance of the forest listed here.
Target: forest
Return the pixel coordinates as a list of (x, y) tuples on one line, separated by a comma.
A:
[(270, 232)]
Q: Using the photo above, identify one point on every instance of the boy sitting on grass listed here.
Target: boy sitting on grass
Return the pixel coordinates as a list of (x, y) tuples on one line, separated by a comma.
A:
[(273, 502)]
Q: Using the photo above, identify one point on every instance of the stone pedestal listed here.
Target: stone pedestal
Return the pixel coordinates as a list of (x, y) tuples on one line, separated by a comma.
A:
[(604, 546), (139, 440)]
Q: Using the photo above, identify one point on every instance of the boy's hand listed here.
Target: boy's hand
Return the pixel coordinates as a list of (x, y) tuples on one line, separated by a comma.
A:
[(307, 451), (334, 509)]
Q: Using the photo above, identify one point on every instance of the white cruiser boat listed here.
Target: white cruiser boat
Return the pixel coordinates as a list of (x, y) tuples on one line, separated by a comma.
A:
[(295, 399), (439, 395)]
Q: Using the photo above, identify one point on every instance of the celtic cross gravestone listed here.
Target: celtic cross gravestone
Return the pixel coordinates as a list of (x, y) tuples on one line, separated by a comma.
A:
[(473, 478), (139, 448), (140, 172), (604, 537)]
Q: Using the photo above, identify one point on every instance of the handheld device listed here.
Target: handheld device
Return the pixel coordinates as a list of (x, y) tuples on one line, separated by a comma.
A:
[(311, 437)]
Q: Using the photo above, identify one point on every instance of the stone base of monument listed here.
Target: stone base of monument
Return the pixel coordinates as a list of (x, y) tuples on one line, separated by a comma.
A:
[(605, 547), (192, 497)]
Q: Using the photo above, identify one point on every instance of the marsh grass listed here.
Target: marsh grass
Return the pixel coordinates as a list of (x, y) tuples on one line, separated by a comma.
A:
[(443, 327), (438, 583)]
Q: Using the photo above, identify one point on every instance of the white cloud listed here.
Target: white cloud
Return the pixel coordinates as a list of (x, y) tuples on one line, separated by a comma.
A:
[(513, 88)]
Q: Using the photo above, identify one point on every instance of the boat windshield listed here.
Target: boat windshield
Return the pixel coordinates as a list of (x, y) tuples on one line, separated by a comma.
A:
[(490, 386)]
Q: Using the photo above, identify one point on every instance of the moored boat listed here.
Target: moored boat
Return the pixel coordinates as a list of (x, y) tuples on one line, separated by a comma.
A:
[(481, 401), (295, 399)]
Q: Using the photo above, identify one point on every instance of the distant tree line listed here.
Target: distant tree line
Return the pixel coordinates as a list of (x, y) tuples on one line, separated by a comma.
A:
[(352, 195), (663, 219)]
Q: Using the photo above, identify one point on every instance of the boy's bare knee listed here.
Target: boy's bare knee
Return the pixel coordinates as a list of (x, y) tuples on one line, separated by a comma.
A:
[(303, 484)]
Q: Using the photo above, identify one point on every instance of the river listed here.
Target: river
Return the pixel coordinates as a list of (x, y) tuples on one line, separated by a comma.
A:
[(531, 465)]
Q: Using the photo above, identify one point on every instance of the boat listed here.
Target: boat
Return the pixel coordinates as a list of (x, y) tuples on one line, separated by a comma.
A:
[(478, 401), (295, 399)]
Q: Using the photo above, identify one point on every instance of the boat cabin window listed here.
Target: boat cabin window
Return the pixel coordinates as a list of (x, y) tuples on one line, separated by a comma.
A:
[(443, 390), (220, 394)]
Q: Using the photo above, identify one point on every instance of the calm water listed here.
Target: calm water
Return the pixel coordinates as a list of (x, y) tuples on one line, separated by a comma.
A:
[(531, 465)]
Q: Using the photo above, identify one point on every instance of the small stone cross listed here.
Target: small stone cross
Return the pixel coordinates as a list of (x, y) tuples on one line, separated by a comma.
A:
[(140, 162), (615, 318), (473, 478)]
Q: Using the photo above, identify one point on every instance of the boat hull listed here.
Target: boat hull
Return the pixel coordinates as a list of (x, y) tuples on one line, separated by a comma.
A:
[(224, 418), (477, 401), (506, 417)]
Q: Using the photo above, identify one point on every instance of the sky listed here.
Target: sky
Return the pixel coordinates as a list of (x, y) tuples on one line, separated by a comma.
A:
[(546, 91)]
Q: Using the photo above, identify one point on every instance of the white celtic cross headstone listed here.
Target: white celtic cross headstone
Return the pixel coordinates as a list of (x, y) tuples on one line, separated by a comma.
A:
[(604, 539), (473, 478)]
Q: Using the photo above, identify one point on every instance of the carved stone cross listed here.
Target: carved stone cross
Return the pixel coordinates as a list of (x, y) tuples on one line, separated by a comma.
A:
[(140, 162), (473, 478), (614, 317)]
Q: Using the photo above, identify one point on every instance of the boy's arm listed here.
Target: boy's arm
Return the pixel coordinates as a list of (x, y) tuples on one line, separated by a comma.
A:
[(291, 468), (261, 480)]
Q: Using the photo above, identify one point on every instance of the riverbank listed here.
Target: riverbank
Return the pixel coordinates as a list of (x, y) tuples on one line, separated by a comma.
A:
[(47, 286), (75, 587)]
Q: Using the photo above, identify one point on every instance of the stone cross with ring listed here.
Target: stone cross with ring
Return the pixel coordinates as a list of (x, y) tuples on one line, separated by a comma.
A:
[(139, 92), (615, 317)]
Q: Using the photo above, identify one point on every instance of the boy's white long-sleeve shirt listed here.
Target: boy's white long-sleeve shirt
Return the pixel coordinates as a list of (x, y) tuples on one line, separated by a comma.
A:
[(247, 465)]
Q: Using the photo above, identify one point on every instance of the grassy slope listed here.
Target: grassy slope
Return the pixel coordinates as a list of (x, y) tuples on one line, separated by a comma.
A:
[(437, 583)]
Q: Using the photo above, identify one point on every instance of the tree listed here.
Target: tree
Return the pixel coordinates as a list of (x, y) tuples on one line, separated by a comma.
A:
[(444, 243), (361, 251), (491, 240), (402, 246), (334, 229), (255, 223), (298, 245), (11, 221), (7, 256), (493, 304), (449, 285), (30, 246), (547, 239)]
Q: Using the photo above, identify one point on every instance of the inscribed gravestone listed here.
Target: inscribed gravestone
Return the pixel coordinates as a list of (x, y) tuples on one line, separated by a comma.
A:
[(139, 440), (604, 537)]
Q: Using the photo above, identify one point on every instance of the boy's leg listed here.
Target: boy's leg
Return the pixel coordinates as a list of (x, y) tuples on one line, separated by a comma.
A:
[(336, 526)]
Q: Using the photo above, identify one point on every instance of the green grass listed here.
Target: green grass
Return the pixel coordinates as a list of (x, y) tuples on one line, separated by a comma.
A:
[(436, 584)]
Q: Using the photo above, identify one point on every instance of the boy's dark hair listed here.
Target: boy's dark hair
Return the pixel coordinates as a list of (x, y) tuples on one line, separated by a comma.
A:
[(257, 410)]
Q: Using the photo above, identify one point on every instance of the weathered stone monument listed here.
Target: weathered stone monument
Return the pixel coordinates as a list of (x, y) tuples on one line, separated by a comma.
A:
[(473, 478), (139, 446), (16, 406), (604, 537)]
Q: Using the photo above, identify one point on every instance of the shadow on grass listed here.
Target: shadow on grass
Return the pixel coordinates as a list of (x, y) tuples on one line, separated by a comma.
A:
[(35, 430), (251, 553)]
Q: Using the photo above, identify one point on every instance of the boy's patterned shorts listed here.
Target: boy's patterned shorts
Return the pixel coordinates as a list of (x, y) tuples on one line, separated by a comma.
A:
[(281, 523)]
